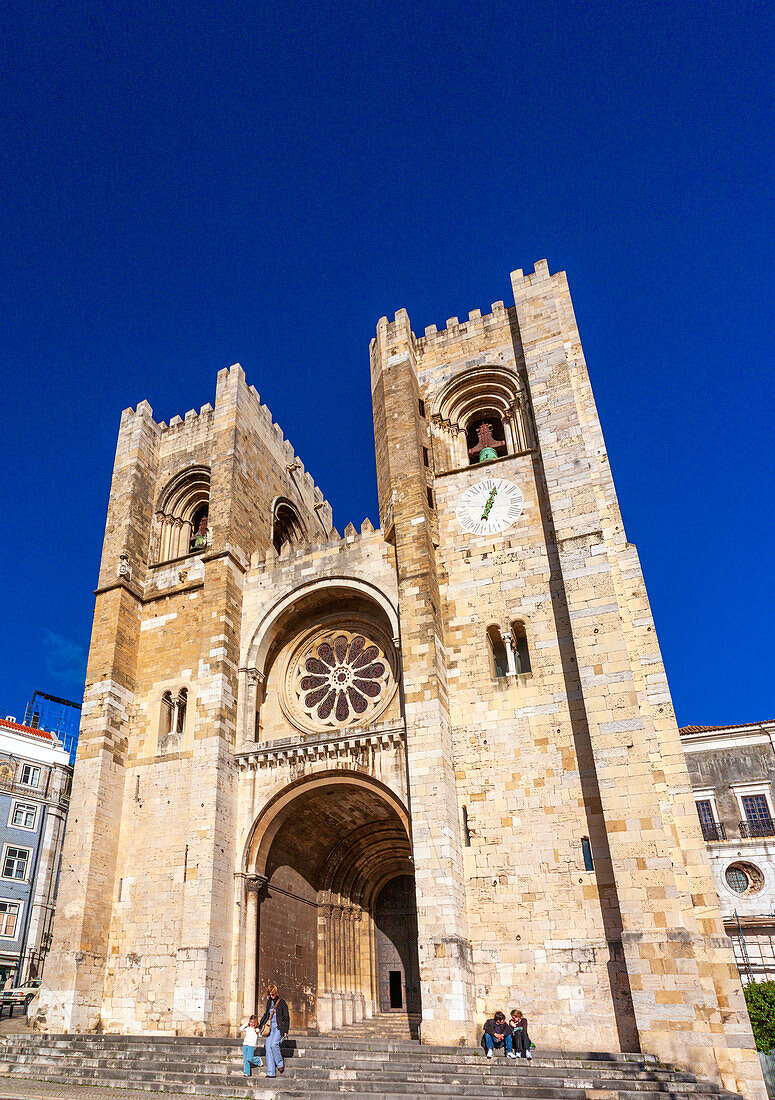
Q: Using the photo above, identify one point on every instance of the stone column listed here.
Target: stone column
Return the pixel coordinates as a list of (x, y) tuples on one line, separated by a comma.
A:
[(251, 694), (348, 965), (510, 436), (511, 664), (461, 448), (360, 1000), (252, 887), (336, 984), (325, 1012)]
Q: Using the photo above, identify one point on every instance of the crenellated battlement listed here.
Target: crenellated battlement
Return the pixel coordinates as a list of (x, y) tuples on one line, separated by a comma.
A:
[(351, 538), (228, 380), (478, 323)]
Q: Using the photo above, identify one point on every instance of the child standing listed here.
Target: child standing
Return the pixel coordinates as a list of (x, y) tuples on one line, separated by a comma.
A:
[(249, 1044)]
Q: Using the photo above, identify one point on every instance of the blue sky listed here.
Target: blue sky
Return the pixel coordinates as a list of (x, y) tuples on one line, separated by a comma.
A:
[(186, 186)]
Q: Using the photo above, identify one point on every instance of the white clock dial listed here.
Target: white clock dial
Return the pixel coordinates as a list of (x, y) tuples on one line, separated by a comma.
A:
[(490, 506)]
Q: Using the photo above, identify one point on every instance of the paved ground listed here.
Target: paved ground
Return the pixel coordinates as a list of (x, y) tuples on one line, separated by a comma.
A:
[(14, 1025)]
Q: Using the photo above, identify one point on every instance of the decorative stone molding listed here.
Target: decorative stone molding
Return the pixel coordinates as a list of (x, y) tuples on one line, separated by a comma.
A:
[(342, 747)]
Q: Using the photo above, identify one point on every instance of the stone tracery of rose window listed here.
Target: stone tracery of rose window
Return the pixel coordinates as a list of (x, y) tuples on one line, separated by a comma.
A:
[(341, 678)]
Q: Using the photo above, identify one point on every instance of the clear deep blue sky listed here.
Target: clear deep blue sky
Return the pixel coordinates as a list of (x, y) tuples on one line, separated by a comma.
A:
[(187, 186)]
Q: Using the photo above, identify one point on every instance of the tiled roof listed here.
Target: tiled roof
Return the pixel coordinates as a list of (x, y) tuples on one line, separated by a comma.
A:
[(44, 735), (710, 729)]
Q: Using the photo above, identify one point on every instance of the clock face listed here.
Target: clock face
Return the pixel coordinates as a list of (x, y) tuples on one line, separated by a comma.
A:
[(490, 506)]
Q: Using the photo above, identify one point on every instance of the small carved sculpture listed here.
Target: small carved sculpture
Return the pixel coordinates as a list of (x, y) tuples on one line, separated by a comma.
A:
[(124, 569)]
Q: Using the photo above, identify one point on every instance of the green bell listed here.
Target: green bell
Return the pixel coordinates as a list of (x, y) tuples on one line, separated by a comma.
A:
[(487, 454)]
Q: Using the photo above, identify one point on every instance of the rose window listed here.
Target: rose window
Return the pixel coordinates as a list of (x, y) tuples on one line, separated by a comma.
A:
[(342, 678)]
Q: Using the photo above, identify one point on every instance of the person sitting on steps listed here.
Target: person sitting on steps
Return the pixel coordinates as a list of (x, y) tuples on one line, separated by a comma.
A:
[(519, 1036), (497, 1033)]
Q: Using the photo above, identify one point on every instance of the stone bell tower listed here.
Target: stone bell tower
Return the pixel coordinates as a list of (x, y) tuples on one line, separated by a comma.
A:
[(558, 855), (142, 928)]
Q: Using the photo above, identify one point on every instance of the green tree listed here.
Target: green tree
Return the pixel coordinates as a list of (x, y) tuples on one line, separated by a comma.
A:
[(760, 998)]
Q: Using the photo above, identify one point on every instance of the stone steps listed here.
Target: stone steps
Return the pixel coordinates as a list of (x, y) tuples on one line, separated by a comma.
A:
[(534, 1077), (323, 1067)]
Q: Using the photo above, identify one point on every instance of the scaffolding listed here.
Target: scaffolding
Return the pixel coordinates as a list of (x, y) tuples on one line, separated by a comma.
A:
[(753, 942), (61, 717)]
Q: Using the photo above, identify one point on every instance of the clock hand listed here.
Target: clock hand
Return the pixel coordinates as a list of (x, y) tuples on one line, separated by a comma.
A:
[(490, 500)]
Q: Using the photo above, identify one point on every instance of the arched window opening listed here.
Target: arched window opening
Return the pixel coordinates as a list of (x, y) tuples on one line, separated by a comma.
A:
[(182, 514), (172, 720), (167, 711), (521, 651), (480, 415), (286, 525), (498, 661), (485, 438)]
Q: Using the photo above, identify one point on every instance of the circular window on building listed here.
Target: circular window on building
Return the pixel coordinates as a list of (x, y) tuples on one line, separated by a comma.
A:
[(340, 677), (744, 878)]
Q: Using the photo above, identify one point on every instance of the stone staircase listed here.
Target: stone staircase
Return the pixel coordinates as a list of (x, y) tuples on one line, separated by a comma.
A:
[(388, 1026), (349, 1063)]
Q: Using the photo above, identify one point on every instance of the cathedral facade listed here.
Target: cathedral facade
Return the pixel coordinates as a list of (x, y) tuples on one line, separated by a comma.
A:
[(430, 768)]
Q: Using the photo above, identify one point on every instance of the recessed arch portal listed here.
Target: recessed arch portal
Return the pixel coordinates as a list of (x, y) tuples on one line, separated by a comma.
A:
[(322, 592), (321, 854)]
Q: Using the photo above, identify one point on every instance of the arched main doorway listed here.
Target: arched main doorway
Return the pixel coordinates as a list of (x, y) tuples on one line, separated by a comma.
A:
[(398, 967), (335, 911)]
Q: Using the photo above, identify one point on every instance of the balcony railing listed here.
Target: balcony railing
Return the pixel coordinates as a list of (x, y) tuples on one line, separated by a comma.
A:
[(713, 830), (751, 829)]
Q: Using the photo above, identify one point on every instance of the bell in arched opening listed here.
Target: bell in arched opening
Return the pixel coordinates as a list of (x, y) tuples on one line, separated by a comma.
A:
[(487, 447)]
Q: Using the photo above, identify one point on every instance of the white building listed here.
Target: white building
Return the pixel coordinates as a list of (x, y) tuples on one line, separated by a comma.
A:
[(732, 771), (35, 778)]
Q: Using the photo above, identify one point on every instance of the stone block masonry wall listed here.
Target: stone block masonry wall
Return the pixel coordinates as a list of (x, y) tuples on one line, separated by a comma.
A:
[(401, 432), (142, 939), (686, 995), (539, 932)]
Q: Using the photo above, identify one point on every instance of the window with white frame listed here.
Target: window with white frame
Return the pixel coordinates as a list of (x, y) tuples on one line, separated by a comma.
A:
[(756, 810), (23, 815), (705, 811), (30, 776), (15, 862), (9, 918)]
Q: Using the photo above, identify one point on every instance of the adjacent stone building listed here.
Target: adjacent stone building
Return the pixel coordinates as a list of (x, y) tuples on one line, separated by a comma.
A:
[(431, 768), (35, 781), (732, 770)]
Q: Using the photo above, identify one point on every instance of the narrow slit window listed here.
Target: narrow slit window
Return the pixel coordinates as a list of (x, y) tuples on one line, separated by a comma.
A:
[(586, 851), (421, 407), (430, 497), (466, 829), (426, 457)]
